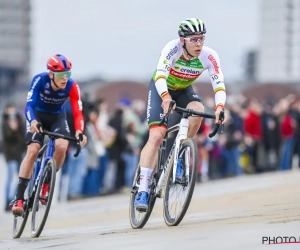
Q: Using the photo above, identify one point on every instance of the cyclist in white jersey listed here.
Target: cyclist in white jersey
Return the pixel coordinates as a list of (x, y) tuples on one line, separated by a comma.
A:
[(181, 62)]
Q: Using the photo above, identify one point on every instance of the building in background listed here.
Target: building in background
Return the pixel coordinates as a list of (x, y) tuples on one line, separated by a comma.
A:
[(279, 50), (14, 44)]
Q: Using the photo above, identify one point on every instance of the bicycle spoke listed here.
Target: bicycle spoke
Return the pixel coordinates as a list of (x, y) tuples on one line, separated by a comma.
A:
[(43, 199), (178, 194)]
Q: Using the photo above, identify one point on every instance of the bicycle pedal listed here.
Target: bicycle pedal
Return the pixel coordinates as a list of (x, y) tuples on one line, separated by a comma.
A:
[(134, 190), (141, 210), (183, 181)]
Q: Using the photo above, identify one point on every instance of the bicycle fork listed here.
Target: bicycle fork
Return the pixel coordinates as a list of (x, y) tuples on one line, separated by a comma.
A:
[(182, 134)]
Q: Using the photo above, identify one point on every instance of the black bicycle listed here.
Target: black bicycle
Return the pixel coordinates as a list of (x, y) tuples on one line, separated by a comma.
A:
[(44, 170), (176, 193)]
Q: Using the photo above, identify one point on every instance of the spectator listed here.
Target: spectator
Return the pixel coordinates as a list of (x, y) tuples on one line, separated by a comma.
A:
[(287, 132), (131, 153), (114, 177), (13, 131), (253, 129), (96, 149)]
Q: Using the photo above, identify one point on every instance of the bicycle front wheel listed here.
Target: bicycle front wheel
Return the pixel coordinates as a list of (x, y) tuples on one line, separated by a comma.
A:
[(137, 218), (20, 221), (179, 194), (19, 224), (43, 198)]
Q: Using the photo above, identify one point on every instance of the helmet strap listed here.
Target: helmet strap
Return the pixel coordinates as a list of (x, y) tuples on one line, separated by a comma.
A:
[(184, 46), (54, 82)]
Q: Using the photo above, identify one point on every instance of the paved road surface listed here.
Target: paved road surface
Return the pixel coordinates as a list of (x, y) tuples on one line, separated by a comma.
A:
[(229, 214)]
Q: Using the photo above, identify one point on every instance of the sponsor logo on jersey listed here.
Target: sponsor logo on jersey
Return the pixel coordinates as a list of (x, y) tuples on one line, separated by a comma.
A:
[(191, 71), (162, 70), (184, 75), (67, 126), (28, 116), (47, 91), (80, 104), (214, 62), (27, 123), (78, 90), (47, 86), (148, 106), (61, 94), (46, 99), (56, 130), (35, 82), (29, 95), (172, 53)]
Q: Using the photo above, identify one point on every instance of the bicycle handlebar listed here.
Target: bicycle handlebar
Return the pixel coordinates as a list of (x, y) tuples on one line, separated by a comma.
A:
[(69, 138), (191, 112)]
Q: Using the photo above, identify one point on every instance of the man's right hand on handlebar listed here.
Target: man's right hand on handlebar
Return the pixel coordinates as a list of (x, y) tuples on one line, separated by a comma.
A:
[(34, 128), (166, 104), (84, 138)]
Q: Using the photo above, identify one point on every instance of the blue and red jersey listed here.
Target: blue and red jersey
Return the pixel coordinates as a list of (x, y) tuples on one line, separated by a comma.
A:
[(43, 98)]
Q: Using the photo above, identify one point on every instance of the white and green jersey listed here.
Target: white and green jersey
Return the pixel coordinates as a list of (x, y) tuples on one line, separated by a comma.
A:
[(176, 72)]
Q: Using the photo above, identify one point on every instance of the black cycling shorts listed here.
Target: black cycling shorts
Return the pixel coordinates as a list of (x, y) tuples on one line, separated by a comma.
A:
[(52, 122), (181, 97)]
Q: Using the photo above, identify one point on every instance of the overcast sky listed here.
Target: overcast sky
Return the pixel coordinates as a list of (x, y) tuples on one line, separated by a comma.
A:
[(120, 39)]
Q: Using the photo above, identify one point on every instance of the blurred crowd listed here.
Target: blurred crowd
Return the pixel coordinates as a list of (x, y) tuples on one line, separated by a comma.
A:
[(258, 137)]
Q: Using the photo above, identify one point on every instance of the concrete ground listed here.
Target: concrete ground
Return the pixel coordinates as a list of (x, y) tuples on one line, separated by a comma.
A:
[(225, 214)]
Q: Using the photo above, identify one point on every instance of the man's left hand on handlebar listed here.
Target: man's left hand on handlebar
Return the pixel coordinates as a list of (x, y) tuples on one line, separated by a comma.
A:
[(84, 140), (217, 113), (166, 103)]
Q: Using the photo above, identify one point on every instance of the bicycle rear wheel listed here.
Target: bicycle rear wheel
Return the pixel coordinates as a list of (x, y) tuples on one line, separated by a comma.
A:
[(178, 195), (137, 218), (41, 206)]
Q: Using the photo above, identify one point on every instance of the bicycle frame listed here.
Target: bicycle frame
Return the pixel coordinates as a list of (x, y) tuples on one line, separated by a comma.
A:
[(40, 165), (182, 128)]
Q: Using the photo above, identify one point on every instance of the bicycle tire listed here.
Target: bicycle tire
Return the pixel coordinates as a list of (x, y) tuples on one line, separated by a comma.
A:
[(28, 205), (175, 220), (135, 224), (37, 230), (18, 232)]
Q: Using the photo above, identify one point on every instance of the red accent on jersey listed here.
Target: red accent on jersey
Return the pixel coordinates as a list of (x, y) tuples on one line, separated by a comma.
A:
[(184, 75), (76, 105)]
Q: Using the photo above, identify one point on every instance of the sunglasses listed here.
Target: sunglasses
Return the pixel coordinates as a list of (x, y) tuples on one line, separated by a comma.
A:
[(195, 39), (63, 74)]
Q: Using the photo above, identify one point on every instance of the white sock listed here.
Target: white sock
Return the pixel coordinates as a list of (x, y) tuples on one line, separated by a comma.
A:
[(145, 178)]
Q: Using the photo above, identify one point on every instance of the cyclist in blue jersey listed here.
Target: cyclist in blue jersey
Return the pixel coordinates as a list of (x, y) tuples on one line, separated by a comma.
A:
[(45, 104)]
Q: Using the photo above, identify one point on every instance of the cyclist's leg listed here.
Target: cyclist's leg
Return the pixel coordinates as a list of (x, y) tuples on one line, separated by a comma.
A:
[(60, 125), (148, 157), (191, 100), (33, 147)]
